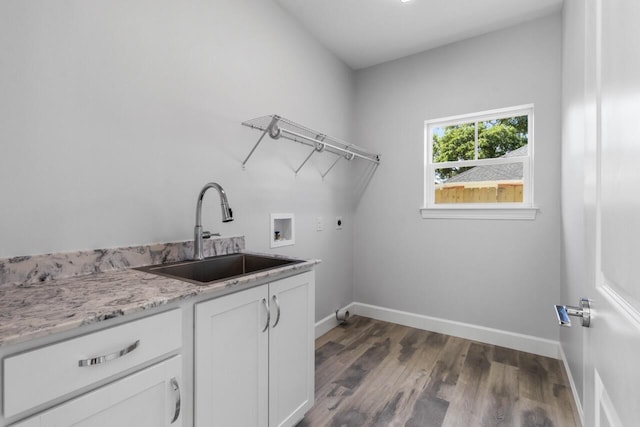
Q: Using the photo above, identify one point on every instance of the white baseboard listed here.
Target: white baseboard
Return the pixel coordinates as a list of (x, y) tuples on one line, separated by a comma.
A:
[(328, 323), (574, 390), (512, 340)]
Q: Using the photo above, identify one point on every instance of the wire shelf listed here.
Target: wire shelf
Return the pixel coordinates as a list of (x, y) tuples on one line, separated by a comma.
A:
[(280, 127)]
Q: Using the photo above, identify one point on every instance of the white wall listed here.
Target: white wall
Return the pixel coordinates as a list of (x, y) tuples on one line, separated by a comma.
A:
[(573, 174), (492, 273), (113, 115)]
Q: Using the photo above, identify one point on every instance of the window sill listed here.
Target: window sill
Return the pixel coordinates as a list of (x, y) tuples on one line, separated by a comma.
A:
[(518, 213)]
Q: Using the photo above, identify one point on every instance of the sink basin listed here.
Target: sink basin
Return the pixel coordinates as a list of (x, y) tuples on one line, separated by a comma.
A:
[(218, 268)]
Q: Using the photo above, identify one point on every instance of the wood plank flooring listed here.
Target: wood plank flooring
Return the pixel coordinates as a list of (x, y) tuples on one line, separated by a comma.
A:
[(373, 373)]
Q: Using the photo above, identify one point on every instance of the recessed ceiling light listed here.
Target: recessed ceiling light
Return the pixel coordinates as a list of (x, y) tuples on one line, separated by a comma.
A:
[(405, 1)]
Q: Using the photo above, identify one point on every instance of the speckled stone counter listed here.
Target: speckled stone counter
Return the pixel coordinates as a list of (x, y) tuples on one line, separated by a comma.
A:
[(46, 294)]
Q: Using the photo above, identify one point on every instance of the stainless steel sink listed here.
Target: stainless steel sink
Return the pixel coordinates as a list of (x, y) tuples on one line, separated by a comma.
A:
[(219, 268)]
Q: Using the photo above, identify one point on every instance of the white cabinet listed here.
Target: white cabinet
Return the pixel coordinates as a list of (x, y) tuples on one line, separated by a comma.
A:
[(231, 360), (38, 376), (137, 393), (291, 349), (254, 363), (148, 398)]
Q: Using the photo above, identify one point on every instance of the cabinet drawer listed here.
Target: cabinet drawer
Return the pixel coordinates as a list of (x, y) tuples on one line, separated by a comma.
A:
[(41, 375), (147, 398)]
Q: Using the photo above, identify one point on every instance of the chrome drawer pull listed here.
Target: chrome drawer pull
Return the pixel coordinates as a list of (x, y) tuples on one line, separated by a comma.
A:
[(176, 388), (104, 359), (266, 307), (275, 300)]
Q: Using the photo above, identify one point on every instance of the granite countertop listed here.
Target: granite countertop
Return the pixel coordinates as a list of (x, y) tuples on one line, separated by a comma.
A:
[(34, 309)]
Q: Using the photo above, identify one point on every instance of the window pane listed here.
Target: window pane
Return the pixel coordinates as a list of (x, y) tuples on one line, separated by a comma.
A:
[(452, 143), (503, 137), (480, 184), (444, 174)]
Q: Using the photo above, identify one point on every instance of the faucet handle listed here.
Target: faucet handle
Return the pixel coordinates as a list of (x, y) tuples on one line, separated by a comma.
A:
[(208, 234)]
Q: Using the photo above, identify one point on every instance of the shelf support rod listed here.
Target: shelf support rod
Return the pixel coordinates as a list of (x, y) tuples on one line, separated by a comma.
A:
[(318, 146), (273, 123), (349, 156), (305, 161), (331, 167)]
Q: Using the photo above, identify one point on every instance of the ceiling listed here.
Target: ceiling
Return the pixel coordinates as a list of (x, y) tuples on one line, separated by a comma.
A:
[(368, 32)]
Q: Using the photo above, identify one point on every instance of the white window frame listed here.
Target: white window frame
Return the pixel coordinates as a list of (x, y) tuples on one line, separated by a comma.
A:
[(518, 210)]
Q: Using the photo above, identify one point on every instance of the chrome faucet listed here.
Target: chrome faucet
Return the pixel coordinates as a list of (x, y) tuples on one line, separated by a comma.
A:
[(198, 234)]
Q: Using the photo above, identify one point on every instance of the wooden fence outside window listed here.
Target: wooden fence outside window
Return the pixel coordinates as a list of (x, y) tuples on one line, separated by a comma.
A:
[(474, 192)]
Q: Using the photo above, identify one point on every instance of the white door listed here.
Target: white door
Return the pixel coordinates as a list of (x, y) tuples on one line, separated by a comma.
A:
[(149, 398), (231, 360), (291, 349), (612, 178)]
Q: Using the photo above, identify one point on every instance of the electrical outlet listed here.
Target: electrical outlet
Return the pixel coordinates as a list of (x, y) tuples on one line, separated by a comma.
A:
[(338, 223), (319, 223)]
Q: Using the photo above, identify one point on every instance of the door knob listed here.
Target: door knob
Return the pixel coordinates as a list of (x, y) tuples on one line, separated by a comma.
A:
[(583, 312)]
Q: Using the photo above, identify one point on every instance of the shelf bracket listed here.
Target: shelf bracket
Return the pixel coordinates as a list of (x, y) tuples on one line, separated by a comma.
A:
[(269, 129), (319, 147), (331, 167), (349, 156)]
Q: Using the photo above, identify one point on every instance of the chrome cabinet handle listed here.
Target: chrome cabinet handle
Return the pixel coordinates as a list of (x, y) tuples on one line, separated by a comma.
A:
[(275, 300), (266, 307), (176, 388), (107, 357)]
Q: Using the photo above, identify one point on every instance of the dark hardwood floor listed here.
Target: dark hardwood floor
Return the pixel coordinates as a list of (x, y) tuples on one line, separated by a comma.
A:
[(373, 373)]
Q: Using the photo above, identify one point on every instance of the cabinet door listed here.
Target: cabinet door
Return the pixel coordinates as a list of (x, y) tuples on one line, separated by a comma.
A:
[(149, 398), (291, 349), (231, 358)]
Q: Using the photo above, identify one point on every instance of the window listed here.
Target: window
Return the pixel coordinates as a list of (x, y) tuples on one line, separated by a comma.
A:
[(480, 165)]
